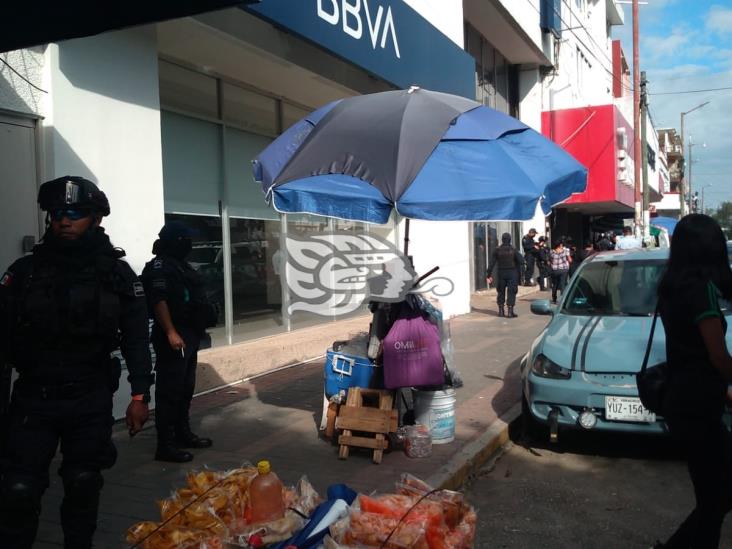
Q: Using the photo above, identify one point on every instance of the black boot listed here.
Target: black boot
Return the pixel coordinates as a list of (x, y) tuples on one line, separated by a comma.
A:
[(167, 448), (184, 437), (172, 454), (511, 314), (501, 311)]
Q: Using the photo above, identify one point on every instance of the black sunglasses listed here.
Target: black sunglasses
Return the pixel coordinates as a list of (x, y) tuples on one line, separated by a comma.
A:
[(70, 214)]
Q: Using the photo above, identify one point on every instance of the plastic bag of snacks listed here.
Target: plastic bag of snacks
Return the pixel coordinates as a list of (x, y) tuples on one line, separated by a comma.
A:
[(416, 517), (213, 509)]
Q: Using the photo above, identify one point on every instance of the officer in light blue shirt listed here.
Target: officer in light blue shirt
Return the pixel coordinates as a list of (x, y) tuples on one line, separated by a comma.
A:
[(628, 241)]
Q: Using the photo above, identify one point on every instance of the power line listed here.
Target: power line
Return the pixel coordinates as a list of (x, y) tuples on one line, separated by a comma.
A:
[(589, 50), (692, 91), (21, 76)]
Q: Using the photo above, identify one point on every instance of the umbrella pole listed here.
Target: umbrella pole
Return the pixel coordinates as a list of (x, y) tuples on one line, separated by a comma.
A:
[(406, 237)]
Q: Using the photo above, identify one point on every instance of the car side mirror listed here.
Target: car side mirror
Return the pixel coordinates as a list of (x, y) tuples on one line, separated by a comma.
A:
[(542, 307)]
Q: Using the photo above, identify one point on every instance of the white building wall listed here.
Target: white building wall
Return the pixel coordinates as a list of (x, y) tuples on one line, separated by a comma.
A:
[(103, 122), (433, 243), (583, 69), (444, 15)]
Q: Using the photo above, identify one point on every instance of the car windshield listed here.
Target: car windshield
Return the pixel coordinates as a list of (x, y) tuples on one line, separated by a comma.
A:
[(611, 287)]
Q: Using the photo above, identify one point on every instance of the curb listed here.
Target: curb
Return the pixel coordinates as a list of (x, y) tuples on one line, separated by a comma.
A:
[(455, 472)]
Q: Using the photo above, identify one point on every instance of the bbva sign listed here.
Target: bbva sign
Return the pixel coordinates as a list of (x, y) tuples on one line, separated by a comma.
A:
[(352, 14)]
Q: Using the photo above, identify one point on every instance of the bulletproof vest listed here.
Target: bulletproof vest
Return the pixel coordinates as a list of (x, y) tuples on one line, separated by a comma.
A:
[(506, 256), (68, 315), (187, 301)]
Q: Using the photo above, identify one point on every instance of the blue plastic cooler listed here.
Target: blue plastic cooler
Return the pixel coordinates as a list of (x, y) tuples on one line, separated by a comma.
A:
[(343, 371)]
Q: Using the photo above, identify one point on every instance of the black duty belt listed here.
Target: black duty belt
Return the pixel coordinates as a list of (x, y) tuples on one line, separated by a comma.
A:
[(64, 391)]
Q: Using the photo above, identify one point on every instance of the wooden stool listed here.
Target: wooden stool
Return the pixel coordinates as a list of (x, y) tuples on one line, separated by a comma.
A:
[(366, 411)]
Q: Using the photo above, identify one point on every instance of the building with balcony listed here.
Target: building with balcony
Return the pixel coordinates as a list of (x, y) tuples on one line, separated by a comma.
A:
[(672, 149)]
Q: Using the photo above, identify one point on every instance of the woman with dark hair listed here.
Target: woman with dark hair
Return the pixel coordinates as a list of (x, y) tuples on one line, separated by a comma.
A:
[(697, 276), (559, 262)]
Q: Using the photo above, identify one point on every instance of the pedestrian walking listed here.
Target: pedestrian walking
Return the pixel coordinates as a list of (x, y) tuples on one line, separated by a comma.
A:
[(560, 261), (509, 262), (697, 276), (180, 315), (529, 246), (64, 309), (544, 264)]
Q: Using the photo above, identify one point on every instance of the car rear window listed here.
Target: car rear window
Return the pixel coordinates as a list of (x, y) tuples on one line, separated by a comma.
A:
[(623, 288)]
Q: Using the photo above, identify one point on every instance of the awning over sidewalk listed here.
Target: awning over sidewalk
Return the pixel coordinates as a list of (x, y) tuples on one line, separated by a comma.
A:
[(24, 24)]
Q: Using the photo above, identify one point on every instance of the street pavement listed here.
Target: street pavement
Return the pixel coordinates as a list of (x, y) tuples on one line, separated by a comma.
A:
[(592, 490), (276, 417)]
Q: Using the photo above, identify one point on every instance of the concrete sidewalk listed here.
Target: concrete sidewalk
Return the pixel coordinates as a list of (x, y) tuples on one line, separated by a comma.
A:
[(276, 417)]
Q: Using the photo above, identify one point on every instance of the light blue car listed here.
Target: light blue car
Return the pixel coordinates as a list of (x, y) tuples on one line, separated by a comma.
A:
[(580, 371)]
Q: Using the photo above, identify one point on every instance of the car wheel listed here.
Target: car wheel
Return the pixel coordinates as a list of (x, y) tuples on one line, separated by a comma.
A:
[(533, 430)]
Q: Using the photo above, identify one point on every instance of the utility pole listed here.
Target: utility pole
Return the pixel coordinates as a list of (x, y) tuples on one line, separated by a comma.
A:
[(682, 187), (682, 194), (644, 153), (636, 119), (691, 198)]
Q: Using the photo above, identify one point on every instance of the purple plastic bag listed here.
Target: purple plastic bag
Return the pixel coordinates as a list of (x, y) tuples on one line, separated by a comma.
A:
[(412, 355)]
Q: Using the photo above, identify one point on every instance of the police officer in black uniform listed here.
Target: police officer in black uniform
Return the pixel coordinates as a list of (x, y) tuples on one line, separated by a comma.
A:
[(529, 248), (64, 309), (509, 263), (543, 262), (181, 314)]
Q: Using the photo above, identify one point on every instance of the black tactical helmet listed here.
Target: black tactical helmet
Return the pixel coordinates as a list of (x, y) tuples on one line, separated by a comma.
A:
[(72, 191)]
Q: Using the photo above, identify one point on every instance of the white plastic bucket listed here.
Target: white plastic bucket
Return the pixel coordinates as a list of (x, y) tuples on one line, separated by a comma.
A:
[(436, 409)]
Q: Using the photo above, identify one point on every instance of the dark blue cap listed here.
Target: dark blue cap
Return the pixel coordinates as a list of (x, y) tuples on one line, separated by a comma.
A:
[(173, 230)]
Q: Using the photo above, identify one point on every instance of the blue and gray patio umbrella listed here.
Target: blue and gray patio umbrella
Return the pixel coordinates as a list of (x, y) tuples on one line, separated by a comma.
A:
[(425, 154)]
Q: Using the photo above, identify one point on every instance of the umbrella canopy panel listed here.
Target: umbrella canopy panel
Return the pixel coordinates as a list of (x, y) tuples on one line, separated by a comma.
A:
[(668, 223), (383, 138), (428, 155)]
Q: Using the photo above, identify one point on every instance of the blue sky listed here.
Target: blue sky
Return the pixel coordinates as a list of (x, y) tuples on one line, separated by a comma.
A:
[(687, 45)]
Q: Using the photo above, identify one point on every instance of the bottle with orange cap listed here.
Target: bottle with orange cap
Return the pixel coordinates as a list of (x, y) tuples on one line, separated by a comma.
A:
[(266, 495)]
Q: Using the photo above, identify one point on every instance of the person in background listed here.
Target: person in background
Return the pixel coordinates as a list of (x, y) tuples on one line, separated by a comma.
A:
[(181, 314), (544, 263), (583, 254), (696, 278), (509, 262), (528, 245), (628, 241), (604, 244), (569, 245), (64, 309), (560, 260)]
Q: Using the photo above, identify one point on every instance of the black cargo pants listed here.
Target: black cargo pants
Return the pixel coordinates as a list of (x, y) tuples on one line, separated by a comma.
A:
[(175, 381), (508, 280), (529, 262), (79, 416), (707, 446)]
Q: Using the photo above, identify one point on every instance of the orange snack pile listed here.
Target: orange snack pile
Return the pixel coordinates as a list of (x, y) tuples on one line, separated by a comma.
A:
[(413, 518), (201, 523)]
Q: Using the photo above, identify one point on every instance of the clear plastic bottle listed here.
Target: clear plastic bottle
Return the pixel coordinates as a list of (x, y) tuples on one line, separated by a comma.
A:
[(265, 495)]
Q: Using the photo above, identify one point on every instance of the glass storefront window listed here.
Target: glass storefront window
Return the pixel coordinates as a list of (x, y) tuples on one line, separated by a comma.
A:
[(186, 90), (501, 83), (291, 114), (248, 110), (256, 267)]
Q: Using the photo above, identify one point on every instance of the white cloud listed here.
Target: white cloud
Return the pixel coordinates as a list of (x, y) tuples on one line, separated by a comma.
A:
[(719, 20), (654, 48)]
